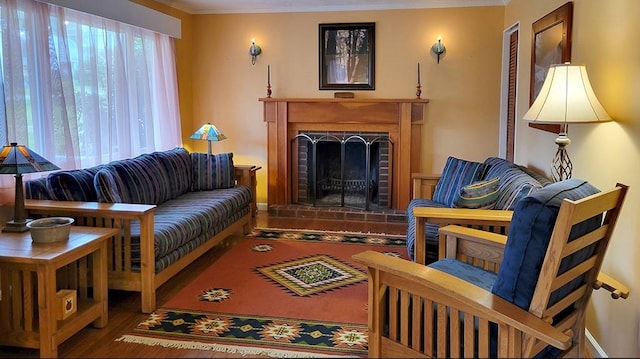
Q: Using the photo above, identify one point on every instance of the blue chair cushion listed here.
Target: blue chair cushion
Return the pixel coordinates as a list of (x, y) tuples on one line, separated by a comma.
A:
[(456, 174), (529, 233), (472, 274)]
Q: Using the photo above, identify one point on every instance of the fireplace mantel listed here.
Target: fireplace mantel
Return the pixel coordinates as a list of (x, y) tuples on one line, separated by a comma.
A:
[(286, 117)]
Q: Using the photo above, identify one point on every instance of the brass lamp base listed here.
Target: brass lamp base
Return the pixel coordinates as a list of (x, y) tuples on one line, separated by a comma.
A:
[(16, 227), (562, 167)]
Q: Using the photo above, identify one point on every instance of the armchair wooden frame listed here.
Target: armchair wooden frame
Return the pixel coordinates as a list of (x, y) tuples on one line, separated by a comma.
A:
[(418, 311)]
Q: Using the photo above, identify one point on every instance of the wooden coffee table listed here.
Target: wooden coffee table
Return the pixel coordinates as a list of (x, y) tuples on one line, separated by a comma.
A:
[(32, 273)]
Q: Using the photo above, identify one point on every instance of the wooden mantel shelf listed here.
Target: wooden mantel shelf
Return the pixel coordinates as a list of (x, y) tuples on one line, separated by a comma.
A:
[(331, 99), (402, 119)]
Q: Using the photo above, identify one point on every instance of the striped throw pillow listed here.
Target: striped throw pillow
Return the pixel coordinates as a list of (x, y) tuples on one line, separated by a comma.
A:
[(479, 195), (456, 174), (213, 172)]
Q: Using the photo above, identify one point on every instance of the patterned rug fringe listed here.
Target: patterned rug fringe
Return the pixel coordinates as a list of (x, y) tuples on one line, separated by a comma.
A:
[(177, 344)]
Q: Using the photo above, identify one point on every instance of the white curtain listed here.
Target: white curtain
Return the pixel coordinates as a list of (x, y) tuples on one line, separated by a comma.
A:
[(82, 90)]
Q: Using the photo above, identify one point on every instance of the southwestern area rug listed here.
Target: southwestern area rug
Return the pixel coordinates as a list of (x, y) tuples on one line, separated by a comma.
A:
[(276, 292)]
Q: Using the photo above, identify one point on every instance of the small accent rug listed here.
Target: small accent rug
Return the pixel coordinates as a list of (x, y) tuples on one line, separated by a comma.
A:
[(276, 292)]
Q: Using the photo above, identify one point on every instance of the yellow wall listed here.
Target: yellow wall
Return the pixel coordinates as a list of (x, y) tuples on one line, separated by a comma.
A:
[(463, 88), (219, 84), (604, 36)]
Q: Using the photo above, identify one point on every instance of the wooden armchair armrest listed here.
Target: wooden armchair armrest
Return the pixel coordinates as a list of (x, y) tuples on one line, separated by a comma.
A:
[(617, 289), (442, 288), (112, 210), (490, 220), (424, 184), (477, 247)]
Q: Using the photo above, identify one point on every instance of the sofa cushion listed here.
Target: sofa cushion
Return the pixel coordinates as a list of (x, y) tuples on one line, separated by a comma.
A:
[(145, 178), (110, 187), (177, 163), (497, 167), (73, 185), (478, 195), (456, 174), (515, 184), (212, 172), (529, 234), (37, 189)]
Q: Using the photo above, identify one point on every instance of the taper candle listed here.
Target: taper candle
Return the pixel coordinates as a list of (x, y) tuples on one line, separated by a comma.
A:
[(268, 74), (418, 73)]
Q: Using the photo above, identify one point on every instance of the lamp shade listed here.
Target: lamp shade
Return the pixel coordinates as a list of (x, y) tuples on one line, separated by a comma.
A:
[(566, 97), (18, 159), (208, 132)]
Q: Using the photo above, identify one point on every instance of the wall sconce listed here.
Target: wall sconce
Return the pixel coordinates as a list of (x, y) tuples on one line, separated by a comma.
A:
[(438, 48), (254, 51)]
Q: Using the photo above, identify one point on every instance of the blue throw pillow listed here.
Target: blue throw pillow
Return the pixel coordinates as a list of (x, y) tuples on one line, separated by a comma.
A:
[(212, 172), (456, 174), (529, 234)]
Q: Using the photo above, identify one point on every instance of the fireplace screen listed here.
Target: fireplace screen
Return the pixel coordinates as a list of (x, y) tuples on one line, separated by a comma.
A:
[(342, 169)]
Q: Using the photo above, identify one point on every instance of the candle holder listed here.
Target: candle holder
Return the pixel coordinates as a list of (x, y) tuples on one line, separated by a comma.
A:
[(268, 80), (418, 87)]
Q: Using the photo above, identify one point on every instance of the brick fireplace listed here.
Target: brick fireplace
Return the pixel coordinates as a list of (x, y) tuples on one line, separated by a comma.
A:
[(400, 120)]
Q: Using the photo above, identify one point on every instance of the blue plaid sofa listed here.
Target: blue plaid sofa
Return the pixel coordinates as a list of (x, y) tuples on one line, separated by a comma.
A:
[(171, 206), (494, 183)]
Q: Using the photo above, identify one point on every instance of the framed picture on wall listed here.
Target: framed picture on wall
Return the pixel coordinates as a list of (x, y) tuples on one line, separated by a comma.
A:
[(347, 56), (550, 44)]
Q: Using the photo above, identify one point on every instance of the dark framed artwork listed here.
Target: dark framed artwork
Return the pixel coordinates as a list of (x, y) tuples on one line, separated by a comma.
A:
[(550, 44), (347, 56)]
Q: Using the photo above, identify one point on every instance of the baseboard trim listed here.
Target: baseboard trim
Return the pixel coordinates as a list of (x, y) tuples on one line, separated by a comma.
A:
[(593, 348)]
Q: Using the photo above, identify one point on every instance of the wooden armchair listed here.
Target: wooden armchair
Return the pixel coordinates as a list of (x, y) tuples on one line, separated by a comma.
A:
[(491, 296)]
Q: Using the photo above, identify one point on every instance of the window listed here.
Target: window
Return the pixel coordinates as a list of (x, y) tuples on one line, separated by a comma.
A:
[(82, 90)]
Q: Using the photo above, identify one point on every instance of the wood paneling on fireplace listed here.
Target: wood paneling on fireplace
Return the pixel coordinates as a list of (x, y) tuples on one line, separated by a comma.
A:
[(286, 117)]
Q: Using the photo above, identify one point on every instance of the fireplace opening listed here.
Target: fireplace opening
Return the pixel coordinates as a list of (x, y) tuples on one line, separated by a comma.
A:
[(342, 169)]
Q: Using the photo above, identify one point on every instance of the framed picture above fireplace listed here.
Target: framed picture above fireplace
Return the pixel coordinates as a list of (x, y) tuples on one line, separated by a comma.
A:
[(347, 56)]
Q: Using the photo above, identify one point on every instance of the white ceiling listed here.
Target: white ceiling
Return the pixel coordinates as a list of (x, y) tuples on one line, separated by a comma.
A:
[(264, 6)]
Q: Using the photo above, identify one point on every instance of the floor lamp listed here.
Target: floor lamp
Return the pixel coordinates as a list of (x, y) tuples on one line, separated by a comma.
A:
[(210, 133), (566, 97), (18, 159)]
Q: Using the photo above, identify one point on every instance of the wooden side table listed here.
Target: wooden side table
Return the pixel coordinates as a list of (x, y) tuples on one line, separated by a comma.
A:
[(32, 273)]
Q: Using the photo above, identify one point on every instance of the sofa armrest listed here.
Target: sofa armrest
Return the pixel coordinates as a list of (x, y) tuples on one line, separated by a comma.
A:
[(424, 185), (496, 221), (246, 176), (115, 215)]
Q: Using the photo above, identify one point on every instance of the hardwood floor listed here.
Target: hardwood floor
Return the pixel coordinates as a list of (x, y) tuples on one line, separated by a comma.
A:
[(124, 307)]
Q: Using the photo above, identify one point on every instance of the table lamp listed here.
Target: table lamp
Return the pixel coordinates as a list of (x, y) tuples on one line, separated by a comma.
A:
[(566, 97), (18, 159), (210, 133)]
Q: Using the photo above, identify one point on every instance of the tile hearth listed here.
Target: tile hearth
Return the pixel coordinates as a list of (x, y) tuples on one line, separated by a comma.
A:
[(385, 215)]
